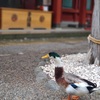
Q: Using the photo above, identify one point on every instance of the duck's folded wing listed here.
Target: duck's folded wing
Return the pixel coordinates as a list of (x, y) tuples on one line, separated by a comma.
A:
[(71, 78)]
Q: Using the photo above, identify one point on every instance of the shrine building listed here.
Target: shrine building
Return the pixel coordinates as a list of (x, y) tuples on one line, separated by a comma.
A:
[(65, 13)]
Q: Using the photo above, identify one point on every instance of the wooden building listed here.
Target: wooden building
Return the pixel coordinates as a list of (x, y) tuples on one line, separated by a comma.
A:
[(77, 13), (72, 12)]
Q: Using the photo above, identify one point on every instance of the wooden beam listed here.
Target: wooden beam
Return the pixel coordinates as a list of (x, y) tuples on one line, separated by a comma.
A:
[(70, 10), (89, 12)]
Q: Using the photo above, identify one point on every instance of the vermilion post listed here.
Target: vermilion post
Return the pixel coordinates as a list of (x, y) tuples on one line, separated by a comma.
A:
[(57, 12), (82, 14)]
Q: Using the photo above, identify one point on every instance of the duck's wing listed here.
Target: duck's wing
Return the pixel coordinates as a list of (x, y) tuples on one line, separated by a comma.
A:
[(72, 78)]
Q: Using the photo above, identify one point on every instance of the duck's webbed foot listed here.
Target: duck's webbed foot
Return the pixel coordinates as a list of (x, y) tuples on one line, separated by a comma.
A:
[(74, 97)]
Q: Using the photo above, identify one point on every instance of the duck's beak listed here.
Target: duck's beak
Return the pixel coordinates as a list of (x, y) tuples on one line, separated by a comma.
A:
[(45, 56)]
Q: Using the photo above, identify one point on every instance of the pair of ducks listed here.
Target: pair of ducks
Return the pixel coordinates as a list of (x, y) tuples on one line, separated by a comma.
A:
[(74, 85)]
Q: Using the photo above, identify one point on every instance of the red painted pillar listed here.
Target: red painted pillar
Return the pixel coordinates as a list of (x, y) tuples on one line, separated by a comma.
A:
[(76, 7), (57, 12), (82, 14)]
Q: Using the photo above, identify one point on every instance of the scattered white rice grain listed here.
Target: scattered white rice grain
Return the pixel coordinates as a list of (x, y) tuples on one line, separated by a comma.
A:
[(20, 53)]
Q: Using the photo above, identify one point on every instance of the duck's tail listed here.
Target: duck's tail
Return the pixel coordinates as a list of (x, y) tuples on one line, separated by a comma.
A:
[(93, 89), (94, 85), (96, 89)]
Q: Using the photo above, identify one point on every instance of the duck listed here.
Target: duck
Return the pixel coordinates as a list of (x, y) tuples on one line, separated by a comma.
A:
[(74, 85)]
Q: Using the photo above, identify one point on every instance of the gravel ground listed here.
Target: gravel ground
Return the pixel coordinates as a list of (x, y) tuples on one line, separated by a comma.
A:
[(21, 78)]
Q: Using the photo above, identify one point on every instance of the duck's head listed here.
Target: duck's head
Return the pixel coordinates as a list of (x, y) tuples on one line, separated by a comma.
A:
[(51, 54), (55, 56)]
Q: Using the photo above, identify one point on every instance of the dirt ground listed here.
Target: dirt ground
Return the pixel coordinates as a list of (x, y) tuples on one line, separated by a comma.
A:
[(67, 45)]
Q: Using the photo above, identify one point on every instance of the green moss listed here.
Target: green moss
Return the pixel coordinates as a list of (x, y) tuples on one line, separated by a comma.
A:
[(45, 35)]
